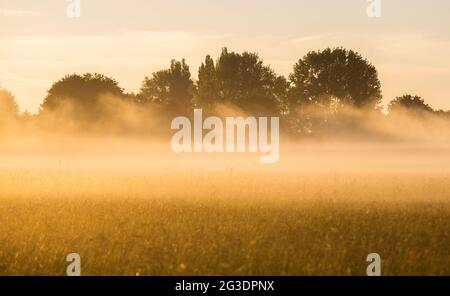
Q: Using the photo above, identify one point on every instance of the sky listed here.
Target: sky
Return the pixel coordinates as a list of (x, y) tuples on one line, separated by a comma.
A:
[(409, 43)]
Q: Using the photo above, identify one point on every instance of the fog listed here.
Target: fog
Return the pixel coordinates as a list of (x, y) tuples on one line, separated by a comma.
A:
[(126, 136)]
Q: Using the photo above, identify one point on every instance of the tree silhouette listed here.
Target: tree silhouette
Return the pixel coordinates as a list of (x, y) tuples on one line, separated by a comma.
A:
[(333, 77), (9, 113), (80, 95), (208, 88), (243, 80), (443, 113), (313, 101), (172, 88), (409, 103), (8, 105)]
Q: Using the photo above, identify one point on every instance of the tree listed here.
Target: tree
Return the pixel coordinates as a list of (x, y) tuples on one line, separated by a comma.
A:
[(9, 109), (443, 113), (334, 77), (208, 88), (243, 80), (9, 113), (79, 96), (409, 103), (172, 88)]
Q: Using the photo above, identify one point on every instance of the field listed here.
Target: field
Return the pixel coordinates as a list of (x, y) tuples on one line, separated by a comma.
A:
[(223, 222)]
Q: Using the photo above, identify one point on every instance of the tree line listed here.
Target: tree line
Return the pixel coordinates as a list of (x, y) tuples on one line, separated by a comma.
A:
[(322, 86)]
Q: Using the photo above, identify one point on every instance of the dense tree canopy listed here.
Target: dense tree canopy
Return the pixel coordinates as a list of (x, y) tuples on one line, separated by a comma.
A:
[(243, 80), (409, 103), (333, 77), (9, 113), (327, 90), (80, 95), (172, 87), (8, 104)]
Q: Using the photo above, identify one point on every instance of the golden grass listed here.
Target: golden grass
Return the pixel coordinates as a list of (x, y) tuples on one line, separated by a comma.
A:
[(223, 222)]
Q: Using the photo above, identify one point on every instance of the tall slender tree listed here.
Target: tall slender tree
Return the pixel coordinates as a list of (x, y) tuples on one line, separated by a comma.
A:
[(208, 88)]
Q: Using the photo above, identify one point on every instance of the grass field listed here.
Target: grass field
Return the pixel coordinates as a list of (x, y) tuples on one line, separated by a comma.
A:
[(223, 222)]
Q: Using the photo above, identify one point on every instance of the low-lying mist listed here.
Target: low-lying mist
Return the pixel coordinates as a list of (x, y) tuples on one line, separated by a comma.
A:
[(120, 134)]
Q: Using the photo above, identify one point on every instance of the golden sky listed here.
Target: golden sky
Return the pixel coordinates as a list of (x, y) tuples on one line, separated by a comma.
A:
[(39, 43)]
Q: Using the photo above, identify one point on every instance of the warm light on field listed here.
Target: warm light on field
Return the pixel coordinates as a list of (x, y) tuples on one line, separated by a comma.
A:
[(162, 214), (224, 138)]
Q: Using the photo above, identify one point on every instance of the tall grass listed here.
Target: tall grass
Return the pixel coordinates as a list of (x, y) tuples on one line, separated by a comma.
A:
[(223, 222)]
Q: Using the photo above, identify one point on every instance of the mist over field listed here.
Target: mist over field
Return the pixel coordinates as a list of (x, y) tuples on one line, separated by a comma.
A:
[(126, 137), (93, 173), (130, 206)]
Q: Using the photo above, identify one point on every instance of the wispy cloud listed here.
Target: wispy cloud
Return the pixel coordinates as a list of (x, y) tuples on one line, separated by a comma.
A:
[(17, 12)]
